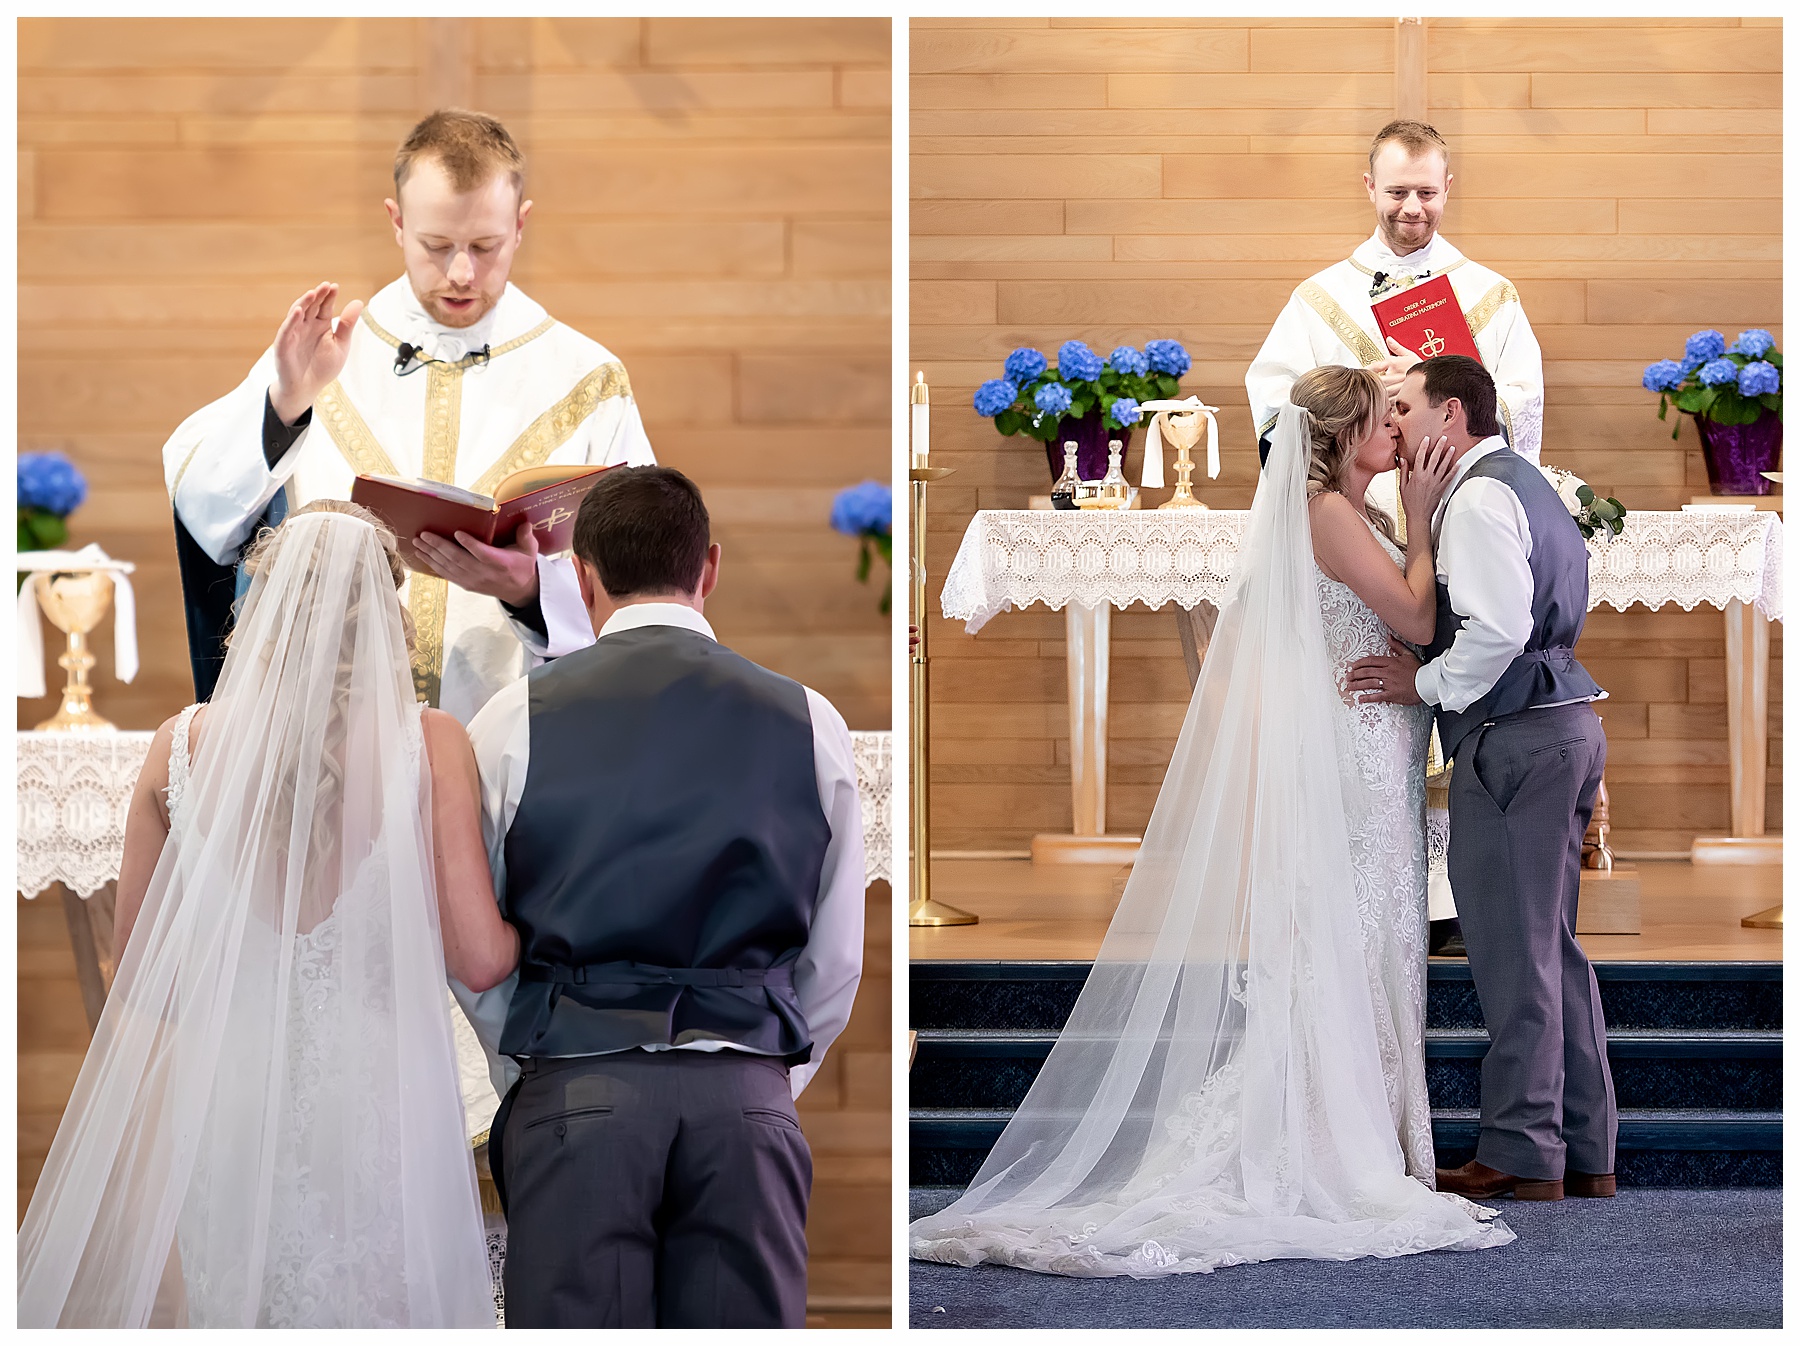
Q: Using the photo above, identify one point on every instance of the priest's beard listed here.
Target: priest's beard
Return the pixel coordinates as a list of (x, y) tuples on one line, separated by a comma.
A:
[(1399, 239)]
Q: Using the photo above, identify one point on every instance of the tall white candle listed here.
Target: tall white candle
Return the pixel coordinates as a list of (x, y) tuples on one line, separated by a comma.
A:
[(921, 422)]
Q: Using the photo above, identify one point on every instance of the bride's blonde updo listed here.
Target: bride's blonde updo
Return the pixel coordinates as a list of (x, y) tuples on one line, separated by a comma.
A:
[(1343, 405), (261, 552)]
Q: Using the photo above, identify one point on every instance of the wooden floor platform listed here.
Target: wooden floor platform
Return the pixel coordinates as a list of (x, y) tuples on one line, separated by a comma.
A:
[(1061, 911)]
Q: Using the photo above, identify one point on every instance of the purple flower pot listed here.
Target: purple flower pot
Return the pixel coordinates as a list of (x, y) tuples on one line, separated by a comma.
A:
[(1738, 455), (1091, 434)]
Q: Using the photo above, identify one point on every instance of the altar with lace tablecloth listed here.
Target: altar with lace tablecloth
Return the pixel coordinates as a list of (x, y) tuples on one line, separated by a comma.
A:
[(1088, 562)]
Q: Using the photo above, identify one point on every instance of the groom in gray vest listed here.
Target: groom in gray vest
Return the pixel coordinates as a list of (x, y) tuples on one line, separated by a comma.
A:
[(1513, 714), (676, 835)]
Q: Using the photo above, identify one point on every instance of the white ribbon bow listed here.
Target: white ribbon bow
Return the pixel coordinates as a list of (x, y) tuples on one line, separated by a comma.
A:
[(31, 631), (1153, 439)]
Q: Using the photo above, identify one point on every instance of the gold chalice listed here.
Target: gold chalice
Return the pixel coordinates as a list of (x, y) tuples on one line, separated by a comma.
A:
[(1182, 429), (76, 601)]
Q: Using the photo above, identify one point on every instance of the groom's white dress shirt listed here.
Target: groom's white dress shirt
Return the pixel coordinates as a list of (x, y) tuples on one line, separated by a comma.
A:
[(826, 976), (1483, 556)]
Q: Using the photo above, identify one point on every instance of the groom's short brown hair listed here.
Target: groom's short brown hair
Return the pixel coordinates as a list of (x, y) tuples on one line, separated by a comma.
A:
[(645, 531), (1458, 376)]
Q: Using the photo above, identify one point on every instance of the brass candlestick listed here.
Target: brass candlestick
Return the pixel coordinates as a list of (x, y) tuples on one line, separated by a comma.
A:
[(922, 909), (1182, 429), (75, 601)]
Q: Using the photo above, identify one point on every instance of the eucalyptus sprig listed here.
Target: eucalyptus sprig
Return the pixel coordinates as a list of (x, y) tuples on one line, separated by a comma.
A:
[(1598, 513)]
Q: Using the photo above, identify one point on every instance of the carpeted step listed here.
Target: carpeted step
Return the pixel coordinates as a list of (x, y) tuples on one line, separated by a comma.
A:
[(1652, 1068), (1028, 994), (1695, 1050), (1676, 1147)]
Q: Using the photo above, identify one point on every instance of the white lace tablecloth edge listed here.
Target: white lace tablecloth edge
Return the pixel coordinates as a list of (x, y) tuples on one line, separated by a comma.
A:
[(1674, 573), (82, 846)]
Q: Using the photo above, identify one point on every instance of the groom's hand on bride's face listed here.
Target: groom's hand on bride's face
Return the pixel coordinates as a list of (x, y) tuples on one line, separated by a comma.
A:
[(1385, 677)]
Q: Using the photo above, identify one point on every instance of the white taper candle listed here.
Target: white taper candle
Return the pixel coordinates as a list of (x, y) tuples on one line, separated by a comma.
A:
[(921, 422)]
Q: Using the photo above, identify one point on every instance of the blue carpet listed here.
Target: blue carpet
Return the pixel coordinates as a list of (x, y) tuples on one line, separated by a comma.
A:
[(1647, 1258)]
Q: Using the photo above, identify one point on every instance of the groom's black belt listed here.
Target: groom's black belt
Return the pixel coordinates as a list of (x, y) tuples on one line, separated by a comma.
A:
[(648, 974)]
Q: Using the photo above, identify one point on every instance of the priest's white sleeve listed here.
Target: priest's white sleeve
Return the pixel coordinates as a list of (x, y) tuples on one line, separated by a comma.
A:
[(1286, 354), (826, 976), (615, 434), (1519, 380), (501, 736), (214, 468)]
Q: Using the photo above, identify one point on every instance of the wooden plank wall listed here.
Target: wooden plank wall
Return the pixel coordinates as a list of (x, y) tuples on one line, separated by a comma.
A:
[(1117, 180), (712, 204)]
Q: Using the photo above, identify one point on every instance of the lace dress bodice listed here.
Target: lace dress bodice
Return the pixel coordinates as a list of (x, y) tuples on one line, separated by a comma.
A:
[(1381, 756)]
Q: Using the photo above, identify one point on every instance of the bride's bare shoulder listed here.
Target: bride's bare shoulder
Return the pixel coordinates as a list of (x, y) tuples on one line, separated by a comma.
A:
[(447, 746), (1330, 509)]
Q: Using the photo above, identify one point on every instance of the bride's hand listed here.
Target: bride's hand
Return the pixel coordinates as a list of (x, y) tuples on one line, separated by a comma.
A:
[(1424, 480)]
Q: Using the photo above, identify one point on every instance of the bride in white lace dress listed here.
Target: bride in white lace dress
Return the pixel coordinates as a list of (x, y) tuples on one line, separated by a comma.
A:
[(1242, 1077), (267, 1130)]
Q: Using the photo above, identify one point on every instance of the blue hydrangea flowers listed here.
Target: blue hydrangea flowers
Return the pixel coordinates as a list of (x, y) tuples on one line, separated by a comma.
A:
[(1076, 361), (867, 507), (1041, 398), (1757, 378), (1738, 384), (51, 483), (1167, 357), (866, 511), (1025, 365), (1715, 372), (1754, 343), (996, 395), (1129, 361), (1704, 346)]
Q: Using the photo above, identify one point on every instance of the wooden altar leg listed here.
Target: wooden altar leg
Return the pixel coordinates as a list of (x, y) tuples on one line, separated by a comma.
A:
[(1090, 670), (90, 936), (1195, 627), (1089, 656), (1747, 720)]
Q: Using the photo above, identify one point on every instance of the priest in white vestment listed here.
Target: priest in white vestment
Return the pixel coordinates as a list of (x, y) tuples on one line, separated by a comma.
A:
[(450, 373), (1329, 318)]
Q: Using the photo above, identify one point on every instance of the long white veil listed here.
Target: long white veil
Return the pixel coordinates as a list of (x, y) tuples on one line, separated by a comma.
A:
[(269, 1114), (1216, 1096)]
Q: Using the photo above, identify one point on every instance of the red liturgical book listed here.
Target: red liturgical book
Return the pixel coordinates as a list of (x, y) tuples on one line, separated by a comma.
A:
[(1425, 319), (547, 497)]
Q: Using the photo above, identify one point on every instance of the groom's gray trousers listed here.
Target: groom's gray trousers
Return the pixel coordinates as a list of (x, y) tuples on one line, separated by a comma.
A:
[(1521, 795), (654, 1189)]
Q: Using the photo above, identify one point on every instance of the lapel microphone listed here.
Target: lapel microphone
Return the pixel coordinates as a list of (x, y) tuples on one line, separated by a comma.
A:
[(407, 353)]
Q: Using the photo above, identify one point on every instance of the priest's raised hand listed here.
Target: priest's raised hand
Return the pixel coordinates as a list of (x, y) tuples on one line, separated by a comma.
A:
[(310, 350)]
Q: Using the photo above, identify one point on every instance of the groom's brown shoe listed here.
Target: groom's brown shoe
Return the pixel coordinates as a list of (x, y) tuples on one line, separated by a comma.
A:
[(1590, 1184), (1479, 1182)]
